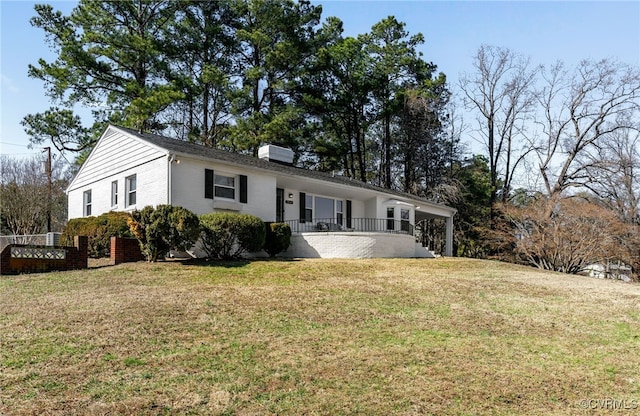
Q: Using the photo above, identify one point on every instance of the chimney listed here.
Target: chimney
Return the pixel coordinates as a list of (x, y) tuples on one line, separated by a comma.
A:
[(276, 154)]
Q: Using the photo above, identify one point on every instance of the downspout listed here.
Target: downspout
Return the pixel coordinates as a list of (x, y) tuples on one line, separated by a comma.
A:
[(171, 159)]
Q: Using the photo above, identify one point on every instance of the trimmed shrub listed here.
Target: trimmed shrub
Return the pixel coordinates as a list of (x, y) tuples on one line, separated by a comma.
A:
[(99, 231), (278, 238), (164, 228), (77, 226), (110, 224), (229, 235)]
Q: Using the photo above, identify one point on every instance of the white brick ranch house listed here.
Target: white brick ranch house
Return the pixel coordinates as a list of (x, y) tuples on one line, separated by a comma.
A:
[(330, 216)]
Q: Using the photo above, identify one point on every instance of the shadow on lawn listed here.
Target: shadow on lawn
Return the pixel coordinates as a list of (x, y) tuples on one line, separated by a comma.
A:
[(234, 263)]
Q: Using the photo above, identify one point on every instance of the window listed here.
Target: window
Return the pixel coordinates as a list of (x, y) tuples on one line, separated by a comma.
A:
[(339, 212), (86, 201), (131, 186), (322, 209), (319, 208), (404, 220), (114, 193), (224, 186), (308, 208), (390, 218), (325, 208)]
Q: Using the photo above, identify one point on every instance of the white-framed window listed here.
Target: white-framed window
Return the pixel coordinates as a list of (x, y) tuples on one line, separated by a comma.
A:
[(308, 208), (86, 203), (224, 186), (391, 214), (325, 208), (114, 193), (322, 209), (131, 186), (404, 219)]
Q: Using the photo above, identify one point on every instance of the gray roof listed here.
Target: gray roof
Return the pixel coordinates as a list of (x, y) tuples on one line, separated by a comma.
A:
[(198, 150)]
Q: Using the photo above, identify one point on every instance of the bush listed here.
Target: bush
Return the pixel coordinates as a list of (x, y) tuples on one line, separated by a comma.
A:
[(77, 226), (99, 231), (229, 235), (164, 228), (278, 238), (569, 234)]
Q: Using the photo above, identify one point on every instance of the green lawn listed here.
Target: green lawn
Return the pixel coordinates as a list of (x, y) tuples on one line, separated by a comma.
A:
[(370, 337)]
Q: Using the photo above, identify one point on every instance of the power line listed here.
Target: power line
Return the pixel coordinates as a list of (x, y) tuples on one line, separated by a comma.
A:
[(14, 144), (18, 154)]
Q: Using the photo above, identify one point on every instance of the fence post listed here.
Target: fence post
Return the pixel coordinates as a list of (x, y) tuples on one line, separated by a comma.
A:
[(81, 243), (5, 260), (125, 250)]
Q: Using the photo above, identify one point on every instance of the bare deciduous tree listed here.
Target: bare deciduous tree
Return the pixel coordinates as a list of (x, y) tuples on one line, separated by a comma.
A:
[(500, 91), (24, 196), (577, 233), (614, 172), (581, 110)]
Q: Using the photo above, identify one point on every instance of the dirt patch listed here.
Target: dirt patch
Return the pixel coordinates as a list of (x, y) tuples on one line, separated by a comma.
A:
[(96, 263)]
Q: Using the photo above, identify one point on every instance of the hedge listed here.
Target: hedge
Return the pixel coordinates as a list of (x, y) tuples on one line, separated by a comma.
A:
[(229, 235), (99, 231)]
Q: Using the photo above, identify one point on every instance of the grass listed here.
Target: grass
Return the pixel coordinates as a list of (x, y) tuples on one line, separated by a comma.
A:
[(443, 336)]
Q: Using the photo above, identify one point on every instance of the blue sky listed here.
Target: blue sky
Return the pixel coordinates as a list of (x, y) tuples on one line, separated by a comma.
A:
[(546, 31)]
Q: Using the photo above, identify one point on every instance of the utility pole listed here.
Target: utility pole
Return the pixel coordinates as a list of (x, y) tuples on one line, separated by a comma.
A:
[(49, 186)]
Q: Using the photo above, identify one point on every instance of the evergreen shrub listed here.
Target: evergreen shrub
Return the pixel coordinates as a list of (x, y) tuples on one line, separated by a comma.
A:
[(164, 228), (229, 235), (99, 231), (278, 238)]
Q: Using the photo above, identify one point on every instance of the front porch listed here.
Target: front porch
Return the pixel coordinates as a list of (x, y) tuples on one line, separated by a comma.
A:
[(343, 208), (355, 238), (376, 225), (354, 245)]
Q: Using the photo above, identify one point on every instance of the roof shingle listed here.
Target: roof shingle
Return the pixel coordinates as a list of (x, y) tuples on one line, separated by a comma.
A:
[(198, 150)]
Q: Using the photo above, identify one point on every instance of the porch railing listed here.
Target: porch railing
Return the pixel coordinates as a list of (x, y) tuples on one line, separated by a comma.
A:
[(377, 225)]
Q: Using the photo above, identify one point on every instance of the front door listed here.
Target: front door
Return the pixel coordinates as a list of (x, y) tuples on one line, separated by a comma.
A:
[(279, 205)]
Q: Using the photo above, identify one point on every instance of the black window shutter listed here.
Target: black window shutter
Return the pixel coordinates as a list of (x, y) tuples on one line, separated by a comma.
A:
[(303, 206), (208, 183), (348, 213), (243, 189)]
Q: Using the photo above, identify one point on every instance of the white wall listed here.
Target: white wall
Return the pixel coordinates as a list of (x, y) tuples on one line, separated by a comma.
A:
[(292, 211), (114, 154), (115, 157), (188, 189), (357, 209), (151, 178), (371, 208), (351, 245)]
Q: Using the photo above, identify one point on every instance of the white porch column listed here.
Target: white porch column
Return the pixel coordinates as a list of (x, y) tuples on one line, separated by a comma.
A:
[(448, 249)]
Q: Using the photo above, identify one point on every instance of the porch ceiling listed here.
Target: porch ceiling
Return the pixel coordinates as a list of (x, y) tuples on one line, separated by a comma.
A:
[(424, 209), (313, 186), (421, 215)]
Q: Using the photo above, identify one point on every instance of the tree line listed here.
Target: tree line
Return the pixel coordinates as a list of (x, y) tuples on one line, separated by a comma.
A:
[(562, 148), (237, 74), (558, 145)]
